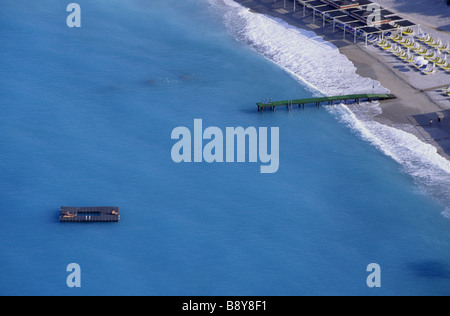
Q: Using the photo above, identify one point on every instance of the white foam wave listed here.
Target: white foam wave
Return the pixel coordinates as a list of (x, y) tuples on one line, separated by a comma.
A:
[(419, 159), (302, 53)]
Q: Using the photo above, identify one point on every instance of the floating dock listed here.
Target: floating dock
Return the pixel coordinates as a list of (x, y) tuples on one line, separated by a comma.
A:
[(89, 214), (328, 100)]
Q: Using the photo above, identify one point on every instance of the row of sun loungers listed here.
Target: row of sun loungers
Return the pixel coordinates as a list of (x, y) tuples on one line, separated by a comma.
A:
[(430, 41), (397, 50), (405, 45), (410, 45)]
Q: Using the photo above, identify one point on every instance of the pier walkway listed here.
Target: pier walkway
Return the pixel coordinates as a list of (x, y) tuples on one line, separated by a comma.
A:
[(328, 100), (89, 214)]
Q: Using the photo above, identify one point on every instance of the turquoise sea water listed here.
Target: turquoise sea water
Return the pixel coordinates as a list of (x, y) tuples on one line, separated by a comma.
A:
[(86, 119)]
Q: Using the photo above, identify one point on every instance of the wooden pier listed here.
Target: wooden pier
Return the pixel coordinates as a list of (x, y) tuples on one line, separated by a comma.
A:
[(89, 214), (357, 98)]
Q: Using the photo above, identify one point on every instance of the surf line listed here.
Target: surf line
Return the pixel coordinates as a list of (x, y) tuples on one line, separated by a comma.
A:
[(235, 149)]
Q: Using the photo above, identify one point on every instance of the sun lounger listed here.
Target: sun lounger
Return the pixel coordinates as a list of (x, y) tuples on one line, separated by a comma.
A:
[(423, 52), (422, 37), (430, 72), (408, 31)]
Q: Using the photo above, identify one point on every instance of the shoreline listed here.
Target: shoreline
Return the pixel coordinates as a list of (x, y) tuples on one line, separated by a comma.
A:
[(416, 102)]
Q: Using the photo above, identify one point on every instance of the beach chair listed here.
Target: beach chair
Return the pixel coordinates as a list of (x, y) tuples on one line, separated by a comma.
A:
[(398, 38), (443, 48), (421, 68), (424, 51), (429, 70), (372, 40), (435, 45), (416, 48), (431, 42), (422, 37), (408, 31), (404, 57), (433, 60), (398, 52)]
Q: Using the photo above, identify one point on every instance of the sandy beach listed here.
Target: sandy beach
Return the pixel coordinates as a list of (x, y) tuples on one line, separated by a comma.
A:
[(419, 96)]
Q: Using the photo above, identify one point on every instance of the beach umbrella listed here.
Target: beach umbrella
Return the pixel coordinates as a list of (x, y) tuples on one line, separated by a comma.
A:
[(420, 61)]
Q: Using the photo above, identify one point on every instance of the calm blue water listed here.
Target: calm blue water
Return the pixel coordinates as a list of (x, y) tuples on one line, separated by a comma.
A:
[(86, 118)]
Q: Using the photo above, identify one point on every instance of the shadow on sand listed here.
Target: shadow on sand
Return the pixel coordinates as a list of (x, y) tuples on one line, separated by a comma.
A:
[(439, 131)]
